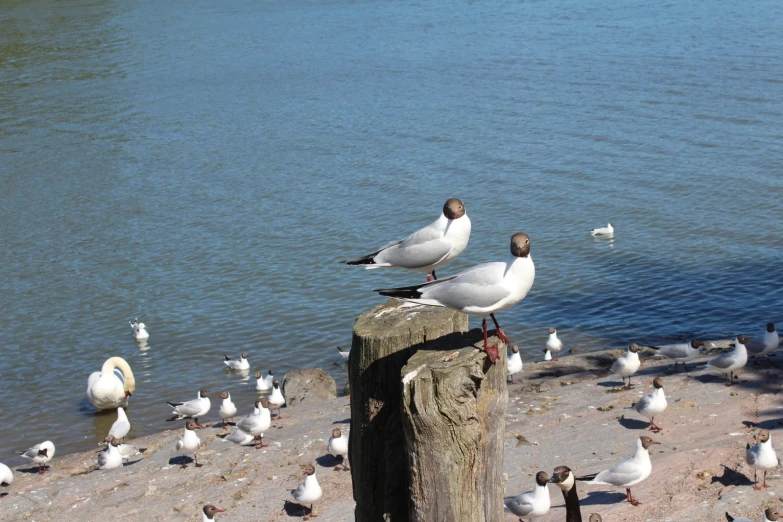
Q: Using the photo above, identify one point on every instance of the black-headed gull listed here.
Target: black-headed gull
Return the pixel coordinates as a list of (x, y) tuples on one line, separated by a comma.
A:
[(237, 436), (629, 472), (264, 383), (227, 408), (427, 248), (514, 363), (208, 513), (732, 361), (564, 479), (238, 365), (308, 492), (6, 476), (257, 422), (120, 428), (191, 409), (680, 352), (276, 398), (110, 458), (761, 456), (105, 390), (652, 404), (127, 451), (343, 353), (608, 230), (767, 345), (553, 344), (770, 515), (482, 290), (189, 444), (139, 330), (531, 504), (40, 454), (628, 364), (338, 447)]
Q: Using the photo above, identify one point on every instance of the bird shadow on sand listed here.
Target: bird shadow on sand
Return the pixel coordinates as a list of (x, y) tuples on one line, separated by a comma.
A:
[(180, 460), (732, 478), (30, 470), (712, 378), (328, 461), (344, 421), (3, 495), (134, 462), (594, 498), (633, 424), (292, 509), (769, 424)]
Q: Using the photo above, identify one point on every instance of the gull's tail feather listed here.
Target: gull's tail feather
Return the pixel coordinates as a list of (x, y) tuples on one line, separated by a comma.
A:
[(174, 404), (405, 292), (364, 260)]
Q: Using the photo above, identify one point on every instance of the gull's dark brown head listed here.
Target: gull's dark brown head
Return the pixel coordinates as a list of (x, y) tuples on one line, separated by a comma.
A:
[(770, 327), (743, 339), (210, 510), (309, 469), (763, 436), (658, 382), (265, 403), (520, 245), (542, 478), (115, 442), (336, 433), (244, 356), (551, 331), (224, 395), (276, 383), (190, 425), (633, 347), (595, 517), (258, 375), (453, 209), (647, 441), (697, 344), (203, 392), (772, 514), (515, 349)]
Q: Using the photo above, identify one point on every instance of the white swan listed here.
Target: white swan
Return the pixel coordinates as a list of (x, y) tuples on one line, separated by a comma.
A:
[(106, 390)]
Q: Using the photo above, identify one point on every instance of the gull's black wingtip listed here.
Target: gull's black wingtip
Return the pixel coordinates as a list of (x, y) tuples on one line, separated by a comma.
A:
[(586, 478)]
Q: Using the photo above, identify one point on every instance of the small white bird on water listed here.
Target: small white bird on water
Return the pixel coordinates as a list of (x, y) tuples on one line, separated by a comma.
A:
[(681, 352), (608, 230), (629, 472), (208, 513), (264, 383), (553, 344), (189, 444), (344, 353), (767, 345), (276, 398), (482, 290), (139, 330), (761, 456), (191, 409), (238, 365), (40, 454), (427, 248), (120, 428), (531, 504), (770, 515), (308, 493), (110, 458), (730, 362), (227, 409), (652, 404), (628, 364), (514, 363), (338, 447)]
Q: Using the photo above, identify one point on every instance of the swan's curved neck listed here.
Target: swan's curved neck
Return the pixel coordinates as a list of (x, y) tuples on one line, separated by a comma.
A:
[(120, 364)]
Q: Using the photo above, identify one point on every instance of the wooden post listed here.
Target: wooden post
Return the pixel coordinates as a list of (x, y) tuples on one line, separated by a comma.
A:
[(383, 340), (454, 416)]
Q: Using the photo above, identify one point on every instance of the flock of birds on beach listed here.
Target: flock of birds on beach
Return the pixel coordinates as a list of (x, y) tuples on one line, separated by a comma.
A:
[(482, 291)]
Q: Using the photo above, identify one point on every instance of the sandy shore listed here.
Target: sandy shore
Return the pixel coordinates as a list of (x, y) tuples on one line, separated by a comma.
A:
[(566, 412)]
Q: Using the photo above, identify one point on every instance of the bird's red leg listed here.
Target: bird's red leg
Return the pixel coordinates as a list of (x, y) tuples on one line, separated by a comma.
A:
[(765, 485), (756, 480), (501, 334), (491, 349), (630, 498), (195, 456)]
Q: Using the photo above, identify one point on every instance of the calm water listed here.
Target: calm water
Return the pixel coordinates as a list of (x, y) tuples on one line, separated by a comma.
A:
[(204, 167)]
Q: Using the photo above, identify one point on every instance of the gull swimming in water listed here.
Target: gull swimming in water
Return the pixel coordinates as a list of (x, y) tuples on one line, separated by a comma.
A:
[(343, 353), (531, 504), (105, 390), (608, 230), (338, 447), (120, 428), (264, 383), (732, 361), (189, 443), (427, 248), (40, 454), (564, 479), (227, 408), (241, 364), (139, 330), (628, 364), (652, 404), (514, 362), (308, 492), (482, 290), (768, 345), (191, 409), (681, 352), (629, 472), (761, 456), (770, 515)]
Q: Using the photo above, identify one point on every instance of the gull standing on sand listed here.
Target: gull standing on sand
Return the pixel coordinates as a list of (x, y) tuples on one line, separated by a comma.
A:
[(40, 454), (482, 290), (208, 513), (680, 352), (105, 390), (770, 515), (629, 472), (257, 422), (308, 492), (628, 364), (514, 362), (238, 365), (608, 230), (344, 353), (652, 404), (761, 456), (564, 479), (139, 330), (6, 475), (768, 345), (110, 458), (427, 248), (189, 444), (553, 344), (732, 361), (191, 409), (120, 428), (264, 383), (227, 409), (531, 504), (276, 399), (338, 447)]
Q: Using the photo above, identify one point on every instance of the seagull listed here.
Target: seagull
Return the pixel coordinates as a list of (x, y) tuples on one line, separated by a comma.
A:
[(427, 248), (531, 504), (761, 456), (237, 436), (120, 428), (629, 472), (482, 290), (514, 362), (608, 230), (264, 383), (258, 422), (127, 451), (564, 479), (770, 515), (110, 458), (729, 362), (627, 365), (208, 513), (227, 409), (652, 404), (276, 399), (40, 454), (680, 352), (189, 443), (547, 354), (139, 330), (195, 408), (768, 345), (343, 353), (338, 447), (239, 365), (308, 492), (6, 476), (595, 517), (553, 344)]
